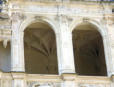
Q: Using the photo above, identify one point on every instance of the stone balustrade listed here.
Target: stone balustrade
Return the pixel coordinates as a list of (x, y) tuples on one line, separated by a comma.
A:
[(37, 80)]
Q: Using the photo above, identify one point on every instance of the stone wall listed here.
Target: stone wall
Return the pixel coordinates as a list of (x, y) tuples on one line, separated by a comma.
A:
[(63, 18)]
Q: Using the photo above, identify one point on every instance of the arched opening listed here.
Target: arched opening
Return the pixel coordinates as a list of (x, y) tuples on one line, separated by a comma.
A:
[(88, 51), (40, 49), (5, 57)]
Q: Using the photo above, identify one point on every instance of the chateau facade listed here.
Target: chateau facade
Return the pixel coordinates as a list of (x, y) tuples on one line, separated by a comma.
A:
[(54, 43)]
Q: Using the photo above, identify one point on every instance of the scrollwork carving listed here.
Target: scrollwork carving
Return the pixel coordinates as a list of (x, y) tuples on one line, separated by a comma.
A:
[(17, 17)]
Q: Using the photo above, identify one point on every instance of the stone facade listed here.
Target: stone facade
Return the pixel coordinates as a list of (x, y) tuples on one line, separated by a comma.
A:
[(62, 17)]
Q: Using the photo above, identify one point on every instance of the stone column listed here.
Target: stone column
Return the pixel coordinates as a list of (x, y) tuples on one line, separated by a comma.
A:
[(66, 59), (17, 54), (108, 56), (109, 45)]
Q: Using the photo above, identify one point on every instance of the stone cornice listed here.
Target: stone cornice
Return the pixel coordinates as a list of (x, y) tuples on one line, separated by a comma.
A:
[(61, 8)]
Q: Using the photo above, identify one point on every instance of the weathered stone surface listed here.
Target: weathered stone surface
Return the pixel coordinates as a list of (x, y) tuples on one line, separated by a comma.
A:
[(46, 27)]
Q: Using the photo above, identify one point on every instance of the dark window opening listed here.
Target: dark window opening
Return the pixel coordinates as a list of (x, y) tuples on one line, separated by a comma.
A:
[(88, 51), (40, 49)]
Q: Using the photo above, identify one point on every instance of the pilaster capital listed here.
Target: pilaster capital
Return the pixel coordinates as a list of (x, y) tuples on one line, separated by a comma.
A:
[(63, 18), (17, 16)]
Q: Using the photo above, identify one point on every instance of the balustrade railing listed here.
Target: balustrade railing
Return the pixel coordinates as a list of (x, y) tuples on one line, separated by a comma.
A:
[(36, 80), (55, 81)]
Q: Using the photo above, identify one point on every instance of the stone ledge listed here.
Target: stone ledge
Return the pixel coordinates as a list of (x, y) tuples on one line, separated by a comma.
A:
[(68, 77)]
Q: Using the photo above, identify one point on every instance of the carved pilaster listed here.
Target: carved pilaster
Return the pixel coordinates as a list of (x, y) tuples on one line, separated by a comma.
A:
[(17, 55), (17, 16), (66, 58)]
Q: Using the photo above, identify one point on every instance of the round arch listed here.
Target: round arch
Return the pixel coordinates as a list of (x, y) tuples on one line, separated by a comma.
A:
[(33, 20), (103, 32)]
